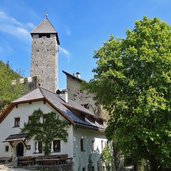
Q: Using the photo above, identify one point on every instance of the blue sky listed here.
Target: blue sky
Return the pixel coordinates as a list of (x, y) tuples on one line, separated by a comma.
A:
[(83, 26)]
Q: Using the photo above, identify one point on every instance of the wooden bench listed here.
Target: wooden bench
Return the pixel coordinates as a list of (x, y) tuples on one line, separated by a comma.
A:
[(47, 161), (5, 159), (25, 161), (53, 159), (64, 160)]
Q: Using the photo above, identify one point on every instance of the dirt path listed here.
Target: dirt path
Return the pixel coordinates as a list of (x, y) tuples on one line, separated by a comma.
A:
[(6, 168)]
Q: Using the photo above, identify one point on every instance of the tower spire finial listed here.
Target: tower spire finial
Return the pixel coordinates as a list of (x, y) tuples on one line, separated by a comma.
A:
[(46, 15)]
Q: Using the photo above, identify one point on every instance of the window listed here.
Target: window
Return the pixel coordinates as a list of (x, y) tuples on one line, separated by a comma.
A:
[(28, 147), (45, 118), (56, 146), (93, 146), (38, 146), (16, 122), (6, 148), (102, 144), (82, 144), (29, 119), (44, 36)]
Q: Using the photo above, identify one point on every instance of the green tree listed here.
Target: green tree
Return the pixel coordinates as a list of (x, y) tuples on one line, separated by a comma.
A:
[(132, 81), (7, 91), (45, 128), (106, 157)]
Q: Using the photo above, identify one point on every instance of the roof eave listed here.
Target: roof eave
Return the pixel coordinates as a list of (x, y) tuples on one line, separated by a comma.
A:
[(68, 74), (28, 101), (101, 130), (6, 112)]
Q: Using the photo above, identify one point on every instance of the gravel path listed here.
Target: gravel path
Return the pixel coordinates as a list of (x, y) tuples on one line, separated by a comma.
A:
[(6, 168)]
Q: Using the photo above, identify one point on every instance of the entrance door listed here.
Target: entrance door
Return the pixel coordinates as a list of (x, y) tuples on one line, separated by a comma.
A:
[(19, 149)]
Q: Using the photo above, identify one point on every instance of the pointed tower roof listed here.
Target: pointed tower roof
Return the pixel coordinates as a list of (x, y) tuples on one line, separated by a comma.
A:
[(44, 28)]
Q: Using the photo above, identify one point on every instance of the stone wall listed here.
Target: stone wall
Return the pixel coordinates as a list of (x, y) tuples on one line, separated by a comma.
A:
[(44, 61), (75, 93)]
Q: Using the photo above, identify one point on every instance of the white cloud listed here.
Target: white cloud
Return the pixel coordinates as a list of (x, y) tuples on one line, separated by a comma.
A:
[(13, 27), (5, 17), (65, 52), (30, 25)]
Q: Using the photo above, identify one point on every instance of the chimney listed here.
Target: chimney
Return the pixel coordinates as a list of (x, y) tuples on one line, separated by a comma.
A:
[(78, 75), (66, 96), (63, 94)]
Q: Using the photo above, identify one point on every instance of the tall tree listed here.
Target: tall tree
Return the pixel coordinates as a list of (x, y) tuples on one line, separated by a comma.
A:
[(45, 128), (132, 81)]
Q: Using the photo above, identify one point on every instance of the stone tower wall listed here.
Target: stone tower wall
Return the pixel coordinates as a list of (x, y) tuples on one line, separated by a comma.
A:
[(44, 61)]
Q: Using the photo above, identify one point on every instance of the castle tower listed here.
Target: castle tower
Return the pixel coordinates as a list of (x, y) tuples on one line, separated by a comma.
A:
[(45, 44)]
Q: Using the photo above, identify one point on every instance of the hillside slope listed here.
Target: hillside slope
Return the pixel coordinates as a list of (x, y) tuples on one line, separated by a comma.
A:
[(7, 91)]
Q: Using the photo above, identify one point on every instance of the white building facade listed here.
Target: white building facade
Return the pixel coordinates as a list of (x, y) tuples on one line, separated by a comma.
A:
[(85, 140)]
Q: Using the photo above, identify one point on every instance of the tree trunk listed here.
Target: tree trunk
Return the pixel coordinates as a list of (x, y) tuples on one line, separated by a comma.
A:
[(154, 165)]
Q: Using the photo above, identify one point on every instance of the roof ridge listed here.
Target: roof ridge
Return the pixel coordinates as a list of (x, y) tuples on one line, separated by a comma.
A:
[(34, 94), (41, 89), (51, 23)]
